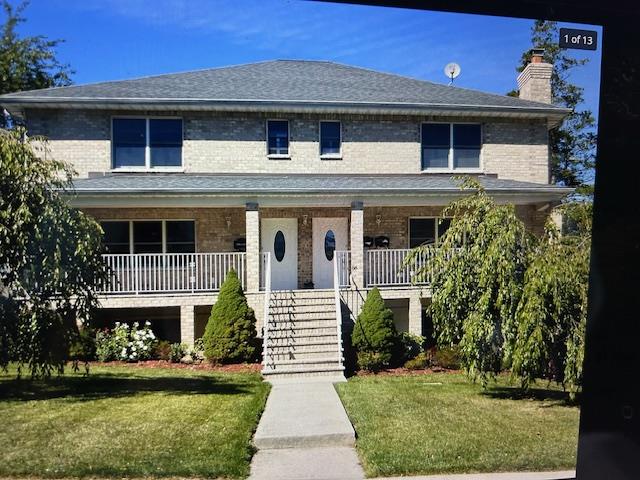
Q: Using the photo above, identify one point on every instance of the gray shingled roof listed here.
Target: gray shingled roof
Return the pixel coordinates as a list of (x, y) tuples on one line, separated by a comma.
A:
[(280, 81), (265, 184)]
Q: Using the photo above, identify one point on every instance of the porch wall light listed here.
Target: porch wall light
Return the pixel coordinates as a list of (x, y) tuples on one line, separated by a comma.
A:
[(228, 219), (305, 219), (378, 219)]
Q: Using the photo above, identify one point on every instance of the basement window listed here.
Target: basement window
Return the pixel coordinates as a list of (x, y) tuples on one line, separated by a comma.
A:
[(451, 146), (146, 143)]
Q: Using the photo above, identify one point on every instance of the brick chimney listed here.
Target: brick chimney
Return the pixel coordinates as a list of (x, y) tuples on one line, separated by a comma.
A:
[(534, 82)]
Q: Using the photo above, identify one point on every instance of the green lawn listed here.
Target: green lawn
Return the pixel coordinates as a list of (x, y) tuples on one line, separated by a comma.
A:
[(442, 423), (124, 421)]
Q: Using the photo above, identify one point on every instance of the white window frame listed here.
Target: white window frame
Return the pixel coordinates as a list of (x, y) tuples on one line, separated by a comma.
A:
[(425, 217), (451, 167), (147, 150), (164, 230), (329, 156), (278, 156)]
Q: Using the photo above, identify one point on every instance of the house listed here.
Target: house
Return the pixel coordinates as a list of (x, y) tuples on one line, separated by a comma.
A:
[(311, 179)]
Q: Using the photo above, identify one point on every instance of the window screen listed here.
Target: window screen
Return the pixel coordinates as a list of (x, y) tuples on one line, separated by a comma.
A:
[(436, 143), (421, 231), (129, 142), (147, 237), (116, 237), (181, 236), (278, 137), (329, 138), (165, 142), (466, 146)]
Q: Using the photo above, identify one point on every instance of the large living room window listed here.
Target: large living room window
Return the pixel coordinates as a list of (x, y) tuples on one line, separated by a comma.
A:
[(426, 231), (146, 143), (330, 139), (277, 137), (154, 236), (451, 146)]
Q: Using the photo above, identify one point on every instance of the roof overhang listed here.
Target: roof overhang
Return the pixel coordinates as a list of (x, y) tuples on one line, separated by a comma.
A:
[(17, 106), (175, 199)]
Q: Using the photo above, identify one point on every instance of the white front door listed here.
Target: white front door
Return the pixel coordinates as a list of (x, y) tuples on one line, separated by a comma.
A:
[(280, 238), (329, 234)]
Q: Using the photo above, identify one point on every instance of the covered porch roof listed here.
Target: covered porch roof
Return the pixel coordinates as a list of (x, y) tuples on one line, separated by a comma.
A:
[(182, 189)]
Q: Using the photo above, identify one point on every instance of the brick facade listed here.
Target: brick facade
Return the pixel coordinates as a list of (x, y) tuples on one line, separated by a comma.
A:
[(235, 143)]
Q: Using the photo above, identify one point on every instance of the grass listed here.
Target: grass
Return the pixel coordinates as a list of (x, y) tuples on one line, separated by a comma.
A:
[(443, 423), (126, 422)]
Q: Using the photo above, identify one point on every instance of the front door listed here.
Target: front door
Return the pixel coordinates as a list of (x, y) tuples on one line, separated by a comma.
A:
[(329, 234), (280, 238)]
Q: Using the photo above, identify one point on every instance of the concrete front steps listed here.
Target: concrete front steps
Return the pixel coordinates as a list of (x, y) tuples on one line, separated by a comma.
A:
[(302, 335)]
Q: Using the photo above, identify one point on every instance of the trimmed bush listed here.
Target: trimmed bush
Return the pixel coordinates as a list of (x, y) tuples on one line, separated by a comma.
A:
[(83, 346), (178, 350), (231, 330), (409, 346), (447, 357), (374, 334), (162, 350), (420, 362)]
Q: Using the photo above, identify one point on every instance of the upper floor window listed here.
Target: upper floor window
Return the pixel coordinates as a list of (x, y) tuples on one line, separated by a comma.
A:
[(330, 139), (147, 142), (277, 137), (451, 146)]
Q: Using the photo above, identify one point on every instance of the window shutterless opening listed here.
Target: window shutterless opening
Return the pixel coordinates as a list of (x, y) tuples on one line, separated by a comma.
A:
[(427, 230), (451, 146), (149, 236), (277, 137), (146, 143), (330, 138)]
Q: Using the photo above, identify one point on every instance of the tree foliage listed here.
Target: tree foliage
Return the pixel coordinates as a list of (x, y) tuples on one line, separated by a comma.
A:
[(476, 289), (230, 334), (573, 143), (50, 262), (506, 297), (27, 63)]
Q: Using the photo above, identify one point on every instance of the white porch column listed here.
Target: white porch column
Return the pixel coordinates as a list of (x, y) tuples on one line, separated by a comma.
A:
[(253, 247), (357, 244), (415, 314), (187, 324)]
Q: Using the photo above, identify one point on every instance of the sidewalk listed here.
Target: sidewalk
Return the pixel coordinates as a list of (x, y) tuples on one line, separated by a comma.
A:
[(304, 433)]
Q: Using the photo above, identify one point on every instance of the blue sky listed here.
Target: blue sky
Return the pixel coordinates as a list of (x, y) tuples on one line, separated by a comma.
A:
[(119, 39)]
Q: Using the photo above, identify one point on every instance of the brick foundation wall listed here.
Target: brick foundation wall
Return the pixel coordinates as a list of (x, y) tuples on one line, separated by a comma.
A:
[(235, 143)]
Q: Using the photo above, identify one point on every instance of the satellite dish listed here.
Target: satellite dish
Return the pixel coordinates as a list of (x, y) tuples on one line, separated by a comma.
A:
[(452, 70)]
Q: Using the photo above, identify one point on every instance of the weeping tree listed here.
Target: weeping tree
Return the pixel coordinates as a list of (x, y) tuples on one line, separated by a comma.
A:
[(552, 313), (476, 277), (50, 263), (507, 298)]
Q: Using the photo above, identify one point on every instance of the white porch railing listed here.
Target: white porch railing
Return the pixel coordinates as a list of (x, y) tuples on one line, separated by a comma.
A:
[(338, 302), (343, 265), (267, 303), (386, 267), (171, 272)]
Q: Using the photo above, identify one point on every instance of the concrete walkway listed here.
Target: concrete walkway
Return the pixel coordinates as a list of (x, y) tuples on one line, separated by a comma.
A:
[(304, 433), (561, 475)]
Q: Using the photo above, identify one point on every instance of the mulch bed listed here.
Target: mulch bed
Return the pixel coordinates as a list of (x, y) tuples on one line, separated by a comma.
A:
[(405, 371), (203, 366)]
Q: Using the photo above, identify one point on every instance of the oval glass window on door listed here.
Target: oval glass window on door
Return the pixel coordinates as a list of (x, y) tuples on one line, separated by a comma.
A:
[(329, 244), (279, 246)]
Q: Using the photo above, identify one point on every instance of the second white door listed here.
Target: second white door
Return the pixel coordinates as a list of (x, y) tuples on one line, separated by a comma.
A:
[(329, 235)]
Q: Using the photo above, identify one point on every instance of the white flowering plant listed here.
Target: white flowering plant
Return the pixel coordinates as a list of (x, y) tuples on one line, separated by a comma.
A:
[(129, 343)]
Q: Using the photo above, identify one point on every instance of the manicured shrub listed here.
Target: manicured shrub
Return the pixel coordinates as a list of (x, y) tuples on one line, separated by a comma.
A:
[(83, 345), (106, 346), (447, 357), (409, 346), (162, 350), (374, 335), (419, 362), (231, 330), (178, 351), (197, 350)]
